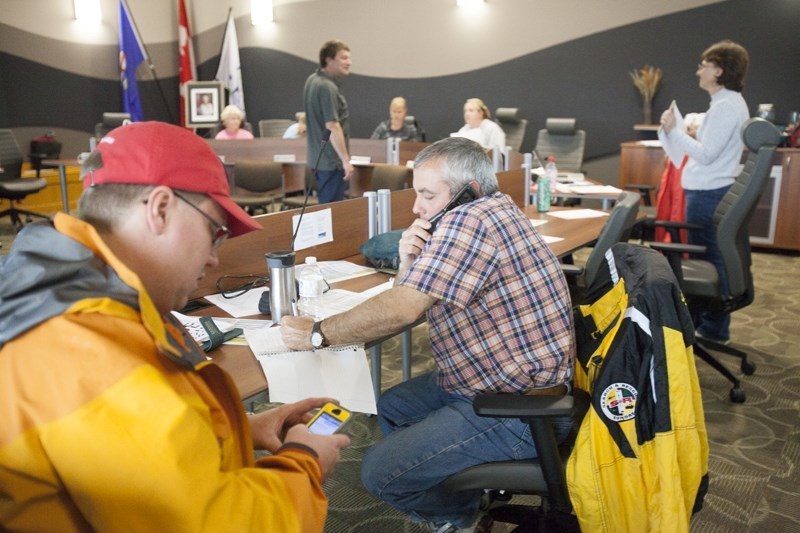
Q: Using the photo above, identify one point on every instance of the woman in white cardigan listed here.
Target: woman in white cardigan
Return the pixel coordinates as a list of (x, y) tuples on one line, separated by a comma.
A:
[(480, 127)]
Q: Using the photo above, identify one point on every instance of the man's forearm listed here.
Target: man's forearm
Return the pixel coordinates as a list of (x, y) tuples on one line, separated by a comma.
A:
[(338, 141), (381, 316)]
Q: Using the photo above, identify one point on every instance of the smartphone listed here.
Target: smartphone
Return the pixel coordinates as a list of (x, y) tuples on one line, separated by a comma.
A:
[(330, 419), (464, 196)]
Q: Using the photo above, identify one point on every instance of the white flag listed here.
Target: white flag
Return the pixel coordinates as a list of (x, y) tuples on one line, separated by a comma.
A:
[(229, 71)]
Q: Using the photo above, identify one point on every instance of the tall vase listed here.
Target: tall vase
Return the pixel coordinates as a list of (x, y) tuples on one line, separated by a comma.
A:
[(647, 111)]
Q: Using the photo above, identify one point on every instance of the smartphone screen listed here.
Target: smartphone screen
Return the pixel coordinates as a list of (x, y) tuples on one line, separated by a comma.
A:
[(325, 424)]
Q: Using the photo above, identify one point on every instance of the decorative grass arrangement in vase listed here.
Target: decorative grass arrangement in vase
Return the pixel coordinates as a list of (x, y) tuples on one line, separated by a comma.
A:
[(647, 79)]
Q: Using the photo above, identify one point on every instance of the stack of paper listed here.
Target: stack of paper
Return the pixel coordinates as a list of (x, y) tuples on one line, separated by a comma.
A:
[(339, 372)]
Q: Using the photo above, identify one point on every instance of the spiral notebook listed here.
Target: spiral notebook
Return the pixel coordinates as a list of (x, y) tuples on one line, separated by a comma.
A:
[(339, 372)]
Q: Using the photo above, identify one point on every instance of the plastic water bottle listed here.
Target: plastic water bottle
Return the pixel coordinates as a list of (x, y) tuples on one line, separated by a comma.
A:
[(311, 286), (552, 172)]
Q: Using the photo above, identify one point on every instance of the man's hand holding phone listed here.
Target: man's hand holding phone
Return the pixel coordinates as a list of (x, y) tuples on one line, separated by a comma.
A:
[(275, 427), (412, 241)]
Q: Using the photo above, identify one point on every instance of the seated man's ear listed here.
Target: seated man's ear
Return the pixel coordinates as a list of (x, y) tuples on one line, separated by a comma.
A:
[(477, 187)]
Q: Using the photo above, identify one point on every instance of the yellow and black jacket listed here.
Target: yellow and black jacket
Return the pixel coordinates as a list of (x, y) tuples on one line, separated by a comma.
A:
[(112, 420), (640, 462)]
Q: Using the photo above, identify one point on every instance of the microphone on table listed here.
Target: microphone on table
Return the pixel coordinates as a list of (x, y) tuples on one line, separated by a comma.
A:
[(280, 299)]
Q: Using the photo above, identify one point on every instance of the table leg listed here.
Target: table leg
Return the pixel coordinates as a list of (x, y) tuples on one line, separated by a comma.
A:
[(375, 358), (62, 177)]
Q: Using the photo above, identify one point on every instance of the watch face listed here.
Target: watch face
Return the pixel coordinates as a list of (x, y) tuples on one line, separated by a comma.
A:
[(316, 339)]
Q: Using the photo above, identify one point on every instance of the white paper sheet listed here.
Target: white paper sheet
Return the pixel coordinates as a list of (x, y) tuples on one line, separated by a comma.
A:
[(574, 214), (594, 189), (334, 271), (316, 228), (673, 152), (550, 240), (244, 305), (196, 330), (537, 221), (340, 372)]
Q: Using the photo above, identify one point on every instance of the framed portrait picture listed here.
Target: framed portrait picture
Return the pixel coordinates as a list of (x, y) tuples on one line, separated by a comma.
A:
[(204, 100)]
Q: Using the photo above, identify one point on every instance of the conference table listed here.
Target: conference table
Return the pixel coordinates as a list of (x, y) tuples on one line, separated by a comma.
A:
[(245, 369), (581, 188)]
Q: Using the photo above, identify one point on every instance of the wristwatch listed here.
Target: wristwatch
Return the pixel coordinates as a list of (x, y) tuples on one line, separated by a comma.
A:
[(317, 338)]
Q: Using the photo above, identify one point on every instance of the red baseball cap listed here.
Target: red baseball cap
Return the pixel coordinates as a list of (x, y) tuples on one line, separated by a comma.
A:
[(157, 153)]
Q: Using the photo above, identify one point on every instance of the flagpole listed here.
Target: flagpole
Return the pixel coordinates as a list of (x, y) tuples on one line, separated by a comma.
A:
[(224, 34), (150, 64)]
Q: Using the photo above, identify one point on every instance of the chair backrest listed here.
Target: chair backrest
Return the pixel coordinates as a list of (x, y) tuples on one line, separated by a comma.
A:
[(11, 157), (392, 177), (513, 125), (273, 127), (561, 139), (732, 216), (258, 175), (616, 229), (411, 120), (110, 121)]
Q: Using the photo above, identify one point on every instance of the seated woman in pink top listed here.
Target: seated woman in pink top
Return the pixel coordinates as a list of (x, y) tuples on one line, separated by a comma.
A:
[(232, 118)]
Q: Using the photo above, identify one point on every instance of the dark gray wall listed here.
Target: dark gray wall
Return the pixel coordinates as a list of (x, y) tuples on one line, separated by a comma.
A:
[(586, 78)]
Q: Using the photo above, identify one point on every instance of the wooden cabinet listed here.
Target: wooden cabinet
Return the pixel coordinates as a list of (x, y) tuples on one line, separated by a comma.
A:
[(776, 222)]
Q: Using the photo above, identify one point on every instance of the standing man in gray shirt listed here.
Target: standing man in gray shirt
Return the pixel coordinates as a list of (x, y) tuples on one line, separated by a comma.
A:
[(326, 108)]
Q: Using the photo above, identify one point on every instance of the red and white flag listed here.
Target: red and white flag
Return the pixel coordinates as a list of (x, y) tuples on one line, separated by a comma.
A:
[(186, 70)]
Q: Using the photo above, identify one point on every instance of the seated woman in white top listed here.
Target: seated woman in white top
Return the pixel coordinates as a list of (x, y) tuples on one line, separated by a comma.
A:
[(479, 126), (233, 118), (297, 130)]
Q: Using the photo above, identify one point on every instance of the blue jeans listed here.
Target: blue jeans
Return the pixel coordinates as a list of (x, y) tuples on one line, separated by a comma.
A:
[(430, 434), (700, 207), (330, 185)]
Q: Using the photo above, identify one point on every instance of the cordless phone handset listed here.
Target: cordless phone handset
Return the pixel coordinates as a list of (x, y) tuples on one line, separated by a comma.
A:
[(463, 196)]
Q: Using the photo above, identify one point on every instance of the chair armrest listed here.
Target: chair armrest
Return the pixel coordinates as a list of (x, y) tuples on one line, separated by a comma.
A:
[(571, 270), (674, 253), (522, 406), (677, 225), (644, 191), (668, 248)]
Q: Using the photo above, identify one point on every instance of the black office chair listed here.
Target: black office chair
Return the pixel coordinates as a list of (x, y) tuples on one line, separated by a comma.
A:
[(256, 184), (513, 125), (13, 187), (617, 228), (273, 127), (564, 141), (650, 293), (309, 196), (411, 120), (110, 121), (699, 279)]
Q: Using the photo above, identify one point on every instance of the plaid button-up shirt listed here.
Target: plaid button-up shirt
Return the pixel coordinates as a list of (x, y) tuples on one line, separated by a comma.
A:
[(503, 319)]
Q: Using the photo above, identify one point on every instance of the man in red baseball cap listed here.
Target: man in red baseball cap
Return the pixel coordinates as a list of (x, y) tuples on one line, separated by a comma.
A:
[(112, 413)]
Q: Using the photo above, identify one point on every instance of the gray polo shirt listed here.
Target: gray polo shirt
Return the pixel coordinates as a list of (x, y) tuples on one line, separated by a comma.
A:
[(323, 102)]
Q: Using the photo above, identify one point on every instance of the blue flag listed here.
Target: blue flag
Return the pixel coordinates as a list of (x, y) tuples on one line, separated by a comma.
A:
[(131, 55)]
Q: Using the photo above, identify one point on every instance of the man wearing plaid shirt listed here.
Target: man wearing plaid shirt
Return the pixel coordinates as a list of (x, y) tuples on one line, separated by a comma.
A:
[(499, 318)]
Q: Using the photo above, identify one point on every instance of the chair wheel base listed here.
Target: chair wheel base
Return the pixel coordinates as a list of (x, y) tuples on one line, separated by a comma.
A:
[(748, 368), (737, 395)]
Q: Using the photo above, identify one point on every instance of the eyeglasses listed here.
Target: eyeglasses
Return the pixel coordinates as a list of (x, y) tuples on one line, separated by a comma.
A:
[(231, 286), (703, 65), (221, 231)]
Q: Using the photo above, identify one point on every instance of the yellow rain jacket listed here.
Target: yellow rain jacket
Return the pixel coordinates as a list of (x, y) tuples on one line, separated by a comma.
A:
[(112, 419), (640, 462)]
